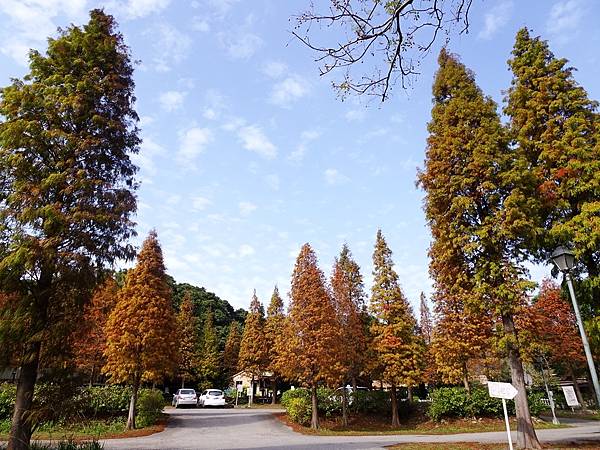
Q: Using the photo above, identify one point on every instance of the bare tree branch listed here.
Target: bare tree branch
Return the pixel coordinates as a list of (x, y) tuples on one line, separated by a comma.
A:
[(378, 42)]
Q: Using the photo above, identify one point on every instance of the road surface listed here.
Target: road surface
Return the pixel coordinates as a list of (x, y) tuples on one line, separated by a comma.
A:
[(258, 429)]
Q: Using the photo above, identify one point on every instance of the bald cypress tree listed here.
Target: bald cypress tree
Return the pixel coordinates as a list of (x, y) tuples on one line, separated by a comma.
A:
[(473, 258), (231, 351), (67, 130), (210, 361), (141, 332), (311, 332), (187, 324), (349, 301), (253, 348), (274, 332), (395, 340), (555, 179)]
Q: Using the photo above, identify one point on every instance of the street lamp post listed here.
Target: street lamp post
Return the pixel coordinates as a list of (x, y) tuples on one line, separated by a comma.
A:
[(564, 259)]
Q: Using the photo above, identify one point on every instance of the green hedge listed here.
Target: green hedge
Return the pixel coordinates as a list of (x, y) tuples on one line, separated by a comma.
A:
[(88, 402), (453, 402)]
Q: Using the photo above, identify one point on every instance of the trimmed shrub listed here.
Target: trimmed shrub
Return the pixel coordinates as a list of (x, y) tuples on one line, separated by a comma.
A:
[(107, 400), (149, 407), (8, 393), (369, 402), (453, 402), (299, 410)]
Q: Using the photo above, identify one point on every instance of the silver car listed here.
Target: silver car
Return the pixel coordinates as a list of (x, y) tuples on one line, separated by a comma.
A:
[(185, 397)]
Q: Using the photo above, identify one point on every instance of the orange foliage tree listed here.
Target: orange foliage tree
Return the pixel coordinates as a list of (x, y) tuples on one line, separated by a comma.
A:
[(349, 301), (231, 351), (142, 335), (310, 353), (187, 323), (395, 340), (253, 349), (274, 328), (89, 340)]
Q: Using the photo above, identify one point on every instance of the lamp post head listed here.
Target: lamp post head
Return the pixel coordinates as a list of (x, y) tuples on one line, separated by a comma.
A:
[(563, 258)]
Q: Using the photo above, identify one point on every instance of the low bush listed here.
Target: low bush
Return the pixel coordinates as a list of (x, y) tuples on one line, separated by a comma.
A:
[(453, 402), (149, 407), (298, 404), (369, 402), (7, 400), (106, 400)]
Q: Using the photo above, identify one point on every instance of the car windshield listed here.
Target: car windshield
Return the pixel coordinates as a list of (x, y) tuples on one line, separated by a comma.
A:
[(187, 392), (214, 393)]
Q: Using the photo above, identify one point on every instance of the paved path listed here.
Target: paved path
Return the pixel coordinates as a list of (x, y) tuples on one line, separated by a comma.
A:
[(258, 429)]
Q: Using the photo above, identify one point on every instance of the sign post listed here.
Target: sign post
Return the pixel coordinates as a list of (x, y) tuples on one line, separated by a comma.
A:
[(570, 396), (505, 391)]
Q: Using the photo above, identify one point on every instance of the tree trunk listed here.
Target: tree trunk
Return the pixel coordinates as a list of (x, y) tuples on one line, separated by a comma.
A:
[(182, 382), (344, 406), (576, 385), (395, 417), (22, 427), (314, 420), (466, 380), (354, 385), (274, 388), (409, 391), (251, 397), (526, 436), (133, 403), (92, 375)]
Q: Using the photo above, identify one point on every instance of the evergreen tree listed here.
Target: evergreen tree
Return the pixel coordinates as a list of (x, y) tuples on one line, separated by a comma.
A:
[(209, 352), (89, 340), (274, 332), (348, 296), (142, 335), (187, 324), (472, 257), (555, 179), (253, 350), (232, 350), (309, 353), (66, 182), (397, 346)]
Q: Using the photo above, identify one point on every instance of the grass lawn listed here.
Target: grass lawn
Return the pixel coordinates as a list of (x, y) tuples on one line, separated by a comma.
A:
[(90, 429), (371, 425), (477, 446)]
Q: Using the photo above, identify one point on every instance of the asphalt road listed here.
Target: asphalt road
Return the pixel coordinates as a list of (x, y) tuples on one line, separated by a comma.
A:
[(258, 429)]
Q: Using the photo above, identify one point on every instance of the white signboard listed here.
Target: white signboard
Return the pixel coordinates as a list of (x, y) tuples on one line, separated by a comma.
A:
[(570, 396), (502, 390)]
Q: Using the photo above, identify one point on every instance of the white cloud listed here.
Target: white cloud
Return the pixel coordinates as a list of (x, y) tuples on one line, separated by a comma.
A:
[(149, 150), (171, 100), (273, 181), (274, 69), (200, 24), (233, 124), (135, 9), (253, 139), (30, 22), (192, 143), (240, 46), (221, 7), (565, 17), (171, 46), (496, 18), (355, 115), (200, 203), (246, 208), (215, 104), (246, 250), (301, 149), (288, 91), (333, 177)]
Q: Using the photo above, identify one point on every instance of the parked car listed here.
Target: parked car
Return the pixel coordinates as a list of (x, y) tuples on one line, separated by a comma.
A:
[(212, 397), (185, 397)]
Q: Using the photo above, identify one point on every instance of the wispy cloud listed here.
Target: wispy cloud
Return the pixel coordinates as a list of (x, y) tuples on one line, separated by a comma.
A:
[(171, 100), (289, 90), (246, 250), (193, 142), (355, 115), (274, 69), (200, 203), (564, 19), (240, 46), (333, 177), (246, 208), (273, 181), (135, 9), (496, 18), (254, 139), (171, 46), (145, 159), (305, 138)]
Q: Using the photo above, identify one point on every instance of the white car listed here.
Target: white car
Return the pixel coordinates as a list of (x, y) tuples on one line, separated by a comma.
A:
[(185, 397), (212, 397)]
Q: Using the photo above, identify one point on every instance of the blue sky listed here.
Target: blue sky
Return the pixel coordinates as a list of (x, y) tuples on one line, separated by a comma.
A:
[(248, 153)]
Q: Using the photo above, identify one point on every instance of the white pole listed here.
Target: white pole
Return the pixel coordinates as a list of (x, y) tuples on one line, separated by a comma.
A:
[(507, 424)]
